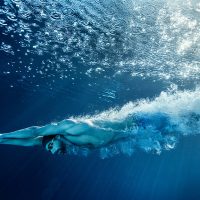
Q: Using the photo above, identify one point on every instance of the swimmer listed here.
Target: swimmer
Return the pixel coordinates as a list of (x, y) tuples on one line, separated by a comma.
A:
[(57, 137)]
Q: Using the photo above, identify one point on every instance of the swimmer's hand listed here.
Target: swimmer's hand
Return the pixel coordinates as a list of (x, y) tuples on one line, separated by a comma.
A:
[(1, 138)]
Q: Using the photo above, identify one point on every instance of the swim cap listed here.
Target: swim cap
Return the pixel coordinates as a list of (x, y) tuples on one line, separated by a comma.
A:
[(46, 139)]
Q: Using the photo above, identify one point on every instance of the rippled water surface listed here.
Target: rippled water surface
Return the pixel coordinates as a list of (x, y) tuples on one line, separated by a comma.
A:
[(78, 40)]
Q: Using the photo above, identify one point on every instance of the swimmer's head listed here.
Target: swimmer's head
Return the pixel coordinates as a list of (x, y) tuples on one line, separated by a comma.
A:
[(53, 144)]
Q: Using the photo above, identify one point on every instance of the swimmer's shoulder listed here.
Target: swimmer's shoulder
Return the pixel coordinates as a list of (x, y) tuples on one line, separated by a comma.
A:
[(67, 122)]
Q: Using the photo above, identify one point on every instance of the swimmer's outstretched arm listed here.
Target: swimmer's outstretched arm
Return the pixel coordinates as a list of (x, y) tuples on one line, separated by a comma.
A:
[(22, 141), (35, 131)]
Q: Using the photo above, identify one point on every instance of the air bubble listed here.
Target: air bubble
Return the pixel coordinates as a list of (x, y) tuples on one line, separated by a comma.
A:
[(11, 17), (26, 15), (16, 1), (56, 15)]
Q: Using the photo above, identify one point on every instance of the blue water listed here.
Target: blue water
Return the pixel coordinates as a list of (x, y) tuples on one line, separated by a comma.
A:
[(127, 66)]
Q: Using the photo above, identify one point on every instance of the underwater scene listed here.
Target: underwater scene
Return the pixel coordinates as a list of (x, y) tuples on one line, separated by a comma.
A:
[(100, 99)]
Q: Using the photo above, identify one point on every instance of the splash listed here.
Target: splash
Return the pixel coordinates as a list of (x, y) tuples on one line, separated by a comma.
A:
[(151, 125)]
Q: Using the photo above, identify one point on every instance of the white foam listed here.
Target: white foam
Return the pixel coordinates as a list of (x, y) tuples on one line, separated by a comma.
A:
[(169, 102), (155, 125)]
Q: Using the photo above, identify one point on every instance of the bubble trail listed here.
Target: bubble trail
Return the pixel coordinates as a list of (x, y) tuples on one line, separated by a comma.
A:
[(150, 125)]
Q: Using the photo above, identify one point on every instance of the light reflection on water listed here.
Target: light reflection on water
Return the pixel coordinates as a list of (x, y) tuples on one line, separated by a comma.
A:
[(82, 39)]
